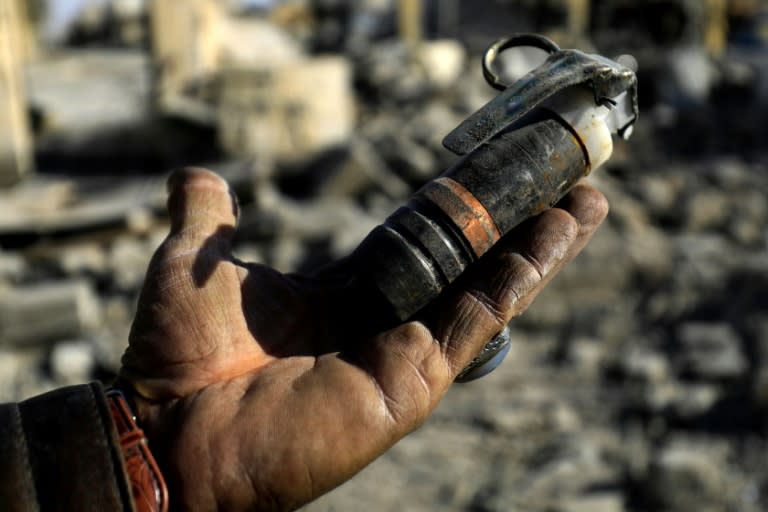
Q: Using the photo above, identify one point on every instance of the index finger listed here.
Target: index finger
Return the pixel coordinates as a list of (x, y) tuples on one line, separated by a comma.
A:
[(414, 364), (505, 282)]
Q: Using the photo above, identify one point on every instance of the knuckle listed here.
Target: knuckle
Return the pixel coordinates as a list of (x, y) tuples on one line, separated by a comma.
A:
[(490, 306), (523, 273)]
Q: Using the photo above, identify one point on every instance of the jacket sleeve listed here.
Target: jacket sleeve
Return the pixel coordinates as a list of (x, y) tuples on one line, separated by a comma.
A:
[(60, 451)]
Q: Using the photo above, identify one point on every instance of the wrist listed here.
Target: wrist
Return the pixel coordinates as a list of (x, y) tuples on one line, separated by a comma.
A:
[(148, 487)]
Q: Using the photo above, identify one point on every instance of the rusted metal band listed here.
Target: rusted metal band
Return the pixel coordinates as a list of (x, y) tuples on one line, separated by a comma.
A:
[(466, 212)]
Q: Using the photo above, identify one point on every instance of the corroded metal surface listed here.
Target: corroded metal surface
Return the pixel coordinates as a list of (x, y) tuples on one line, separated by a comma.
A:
[(522, 156), (466, 211), (562, 69)]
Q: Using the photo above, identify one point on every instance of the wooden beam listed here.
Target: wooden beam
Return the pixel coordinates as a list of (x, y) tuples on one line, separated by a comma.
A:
[(410, 15), (15, 140), (578, 16), (716, 28)]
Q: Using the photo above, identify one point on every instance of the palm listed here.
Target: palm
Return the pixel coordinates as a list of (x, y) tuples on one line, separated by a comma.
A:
[(258, 391)]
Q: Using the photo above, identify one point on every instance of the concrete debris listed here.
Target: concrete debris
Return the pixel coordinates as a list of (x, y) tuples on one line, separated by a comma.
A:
[(684, 476), (638, 379), (288, 112), (128, 259), (72, 362), (47, 312), (596, 502), (710, 351), (444, 61), (13, 269)]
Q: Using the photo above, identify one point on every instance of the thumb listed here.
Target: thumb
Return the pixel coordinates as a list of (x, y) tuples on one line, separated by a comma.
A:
[(203, 211), (166, 330)]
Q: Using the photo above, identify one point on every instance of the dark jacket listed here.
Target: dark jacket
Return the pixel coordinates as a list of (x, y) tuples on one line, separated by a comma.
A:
[(60, 451)]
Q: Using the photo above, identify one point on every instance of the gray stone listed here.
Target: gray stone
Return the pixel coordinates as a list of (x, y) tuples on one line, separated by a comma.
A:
[(688, 476), (47, 312), (10, 367), (554, 475), (362, 170), (13, 268), (661, 193), (88, 91), (140, 221), (82, 259), (276, 110), (128, 261), (734, 175), (588, 355), (286, 254), (21, 374), (409, 158), (627, 212), (248, 253), (72, 362), (690, 75), (707, 209), (703, 263), (694, 400), (711, 351), (109, 342), (650, 254), (390, 70), (645, 365), (432, 123), (443, 61), (749, 219), (596, 502)]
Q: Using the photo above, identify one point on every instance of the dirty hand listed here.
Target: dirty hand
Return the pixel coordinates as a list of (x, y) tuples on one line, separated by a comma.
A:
[(261, 391)]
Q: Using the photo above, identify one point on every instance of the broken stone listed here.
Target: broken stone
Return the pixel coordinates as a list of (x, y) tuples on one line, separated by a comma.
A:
[(410, 159), (640, 363), (707, 209), (128, 261), (81, 260), (605, 501), (72, 362), (20, 373), (695, 400), (686, 477), (391, 72), (277, 111), (13, 268), (711, 351), (362, 170), (110, 341), (47, 312), (444, 61)]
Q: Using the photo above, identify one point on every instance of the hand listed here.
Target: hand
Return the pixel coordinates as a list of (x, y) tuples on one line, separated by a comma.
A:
[(260, 391)]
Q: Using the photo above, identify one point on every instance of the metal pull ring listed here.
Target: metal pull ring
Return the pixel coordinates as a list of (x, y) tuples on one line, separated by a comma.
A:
[(516, 41)]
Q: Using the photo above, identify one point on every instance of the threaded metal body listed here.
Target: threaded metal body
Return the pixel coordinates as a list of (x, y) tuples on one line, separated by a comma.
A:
[(455, 219)]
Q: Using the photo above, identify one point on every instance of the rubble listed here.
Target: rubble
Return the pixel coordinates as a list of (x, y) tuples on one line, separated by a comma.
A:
[(287, 112), (685, 476), (72, 362), (710, 351), (47, 312), (637, 381)]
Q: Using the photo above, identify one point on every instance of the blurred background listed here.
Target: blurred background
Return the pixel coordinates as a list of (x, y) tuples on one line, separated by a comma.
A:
[(639, 379)]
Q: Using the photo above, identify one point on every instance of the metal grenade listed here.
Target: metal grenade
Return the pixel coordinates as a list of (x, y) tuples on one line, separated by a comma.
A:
[(520, 154)]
